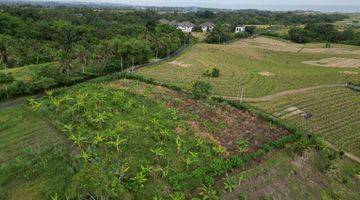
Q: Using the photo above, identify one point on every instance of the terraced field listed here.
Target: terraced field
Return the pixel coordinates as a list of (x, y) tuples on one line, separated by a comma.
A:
[(330, 112), (20, 129), (262, 66)]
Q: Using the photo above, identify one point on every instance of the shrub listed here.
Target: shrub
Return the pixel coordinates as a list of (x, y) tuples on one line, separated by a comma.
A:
[(214, 73), (201, 89), (241, 35), (6, 78)]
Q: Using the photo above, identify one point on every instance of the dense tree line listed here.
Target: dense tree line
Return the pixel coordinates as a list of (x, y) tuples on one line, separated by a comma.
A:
[(32, 35), (323, 32), (254, 17)]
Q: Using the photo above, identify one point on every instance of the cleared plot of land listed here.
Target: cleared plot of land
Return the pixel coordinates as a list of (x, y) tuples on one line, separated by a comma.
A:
[(284, 176), (260, 71), (276, 44), (336, 62), (332, 113), (20, 129)]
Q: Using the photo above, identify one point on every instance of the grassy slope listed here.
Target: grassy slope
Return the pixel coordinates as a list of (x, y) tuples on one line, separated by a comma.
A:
[(140, 125), (285, 176), (24, 73), (21, 129), (243, 60), (335, 114)]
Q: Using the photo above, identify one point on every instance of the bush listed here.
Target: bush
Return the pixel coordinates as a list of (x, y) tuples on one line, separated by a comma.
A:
[(241, 35), (6, 78), (214, 73), (201, 89)]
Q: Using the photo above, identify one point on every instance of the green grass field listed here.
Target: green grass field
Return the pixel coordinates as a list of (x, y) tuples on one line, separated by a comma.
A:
[(262, 66), (21, 129), (285, 176), (334, 114)]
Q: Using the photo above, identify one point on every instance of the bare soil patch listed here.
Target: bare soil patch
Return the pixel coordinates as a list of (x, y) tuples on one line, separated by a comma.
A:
[(335, 62), (266, 74), (180, 64), (349, 72)]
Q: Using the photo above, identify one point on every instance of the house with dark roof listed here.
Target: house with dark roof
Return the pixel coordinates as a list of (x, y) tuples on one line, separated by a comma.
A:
[(185, 26), (207, 26), (239, 28)]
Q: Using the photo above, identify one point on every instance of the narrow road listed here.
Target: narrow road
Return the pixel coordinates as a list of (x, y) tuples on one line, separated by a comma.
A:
[(280, 94)]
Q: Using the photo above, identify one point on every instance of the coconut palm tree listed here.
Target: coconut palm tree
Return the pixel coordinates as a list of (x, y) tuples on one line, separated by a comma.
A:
[(5, 41)]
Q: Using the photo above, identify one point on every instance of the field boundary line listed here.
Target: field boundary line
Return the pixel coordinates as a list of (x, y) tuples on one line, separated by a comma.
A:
[(347, 154), (279, 94)]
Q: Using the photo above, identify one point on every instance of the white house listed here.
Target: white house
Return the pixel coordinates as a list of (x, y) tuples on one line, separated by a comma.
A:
[(207, 26), (239, 28), (186, 26)]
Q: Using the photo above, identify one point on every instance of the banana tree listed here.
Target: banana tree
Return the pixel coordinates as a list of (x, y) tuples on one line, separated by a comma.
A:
[(117, 143), (78, 140)]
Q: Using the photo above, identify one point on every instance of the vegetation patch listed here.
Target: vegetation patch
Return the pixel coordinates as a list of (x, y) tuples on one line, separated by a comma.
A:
[(180, 64), (334, 114)]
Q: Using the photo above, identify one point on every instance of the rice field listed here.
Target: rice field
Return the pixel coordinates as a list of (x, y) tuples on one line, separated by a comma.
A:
[(262, 66), (332, 112)]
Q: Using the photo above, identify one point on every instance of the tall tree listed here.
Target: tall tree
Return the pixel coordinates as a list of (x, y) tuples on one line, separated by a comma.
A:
[(5, 41)]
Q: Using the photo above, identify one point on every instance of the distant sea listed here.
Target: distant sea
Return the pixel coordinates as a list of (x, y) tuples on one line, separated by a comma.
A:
[(321, 8)]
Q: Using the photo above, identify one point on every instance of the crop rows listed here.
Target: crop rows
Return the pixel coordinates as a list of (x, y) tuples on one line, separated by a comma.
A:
[(21, 130), (334, 114)]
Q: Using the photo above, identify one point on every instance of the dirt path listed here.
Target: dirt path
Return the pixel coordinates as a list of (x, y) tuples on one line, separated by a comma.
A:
[(281, 94), (347, 154), (16, 102)]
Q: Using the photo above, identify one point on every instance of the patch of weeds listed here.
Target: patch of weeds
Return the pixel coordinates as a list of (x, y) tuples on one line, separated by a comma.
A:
[(242, 145)]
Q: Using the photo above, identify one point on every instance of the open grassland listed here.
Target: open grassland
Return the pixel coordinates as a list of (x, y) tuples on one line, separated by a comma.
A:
[(20, 129), (25, 73), (286, 176), (334, 114), (261, 65), (354, 18)]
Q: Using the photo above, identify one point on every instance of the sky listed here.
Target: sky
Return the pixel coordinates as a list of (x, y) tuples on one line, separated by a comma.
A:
[(317, 5), (228, 2)]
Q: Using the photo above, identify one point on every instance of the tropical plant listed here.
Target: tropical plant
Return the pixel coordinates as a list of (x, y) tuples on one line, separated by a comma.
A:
[(208, 193), (179, 143), (117, 143), (242, 145), (158, 151), (200, 90), (177, 196), (219, 149), (229, 185)]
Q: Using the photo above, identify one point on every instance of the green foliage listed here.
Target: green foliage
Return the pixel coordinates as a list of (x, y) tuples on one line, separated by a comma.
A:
[(6, 78), (200, 90), (323, 32), (214, 73), (242, 145), (220, 35)]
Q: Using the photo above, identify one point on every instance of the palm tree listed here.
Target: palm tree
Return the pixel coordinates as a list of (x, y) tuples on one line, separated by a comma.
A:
[(158, 43), (5, 41), (81, 54)]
